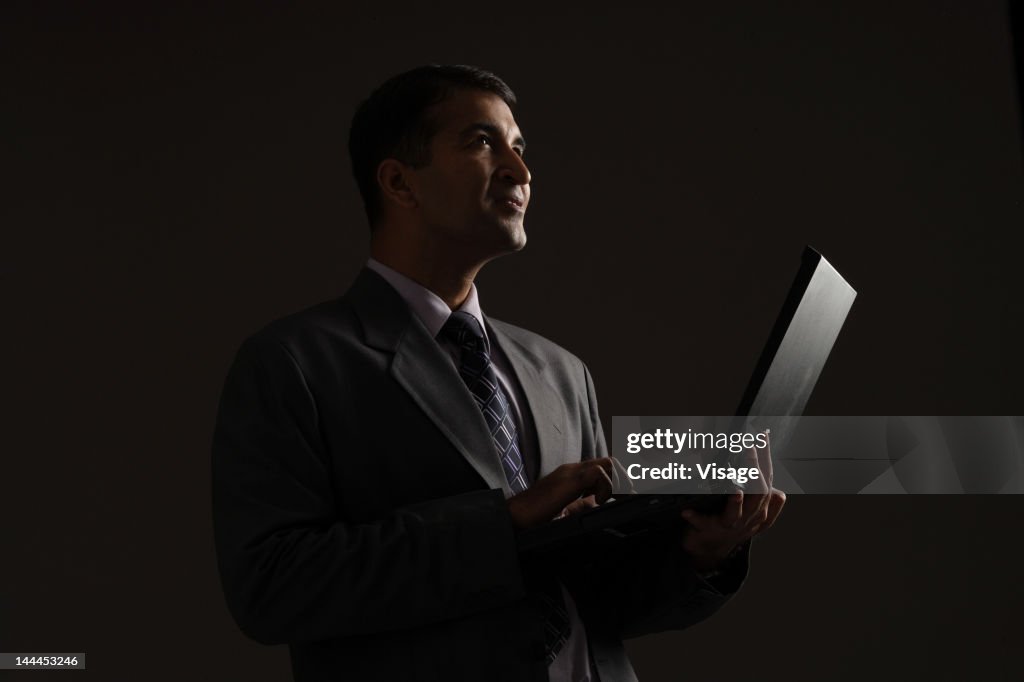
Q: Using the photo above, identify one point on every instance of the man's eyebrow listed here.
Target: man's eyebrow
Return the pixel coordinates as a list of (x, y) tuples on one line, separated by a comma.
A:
[(491, 130)]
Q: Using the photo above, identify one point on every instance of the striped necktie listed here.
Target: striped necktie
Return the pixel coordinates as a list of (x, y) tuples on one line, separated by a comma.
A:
[(477, 372)]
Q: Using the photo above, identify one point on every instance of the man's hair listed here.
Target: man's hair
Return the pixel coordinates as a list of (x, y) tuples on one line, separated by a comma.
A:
[(393, 122)]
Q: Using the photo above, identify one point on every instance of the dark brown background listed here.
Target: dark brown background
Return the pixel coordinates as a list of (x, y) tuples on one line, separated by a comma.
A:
[(179, 178)]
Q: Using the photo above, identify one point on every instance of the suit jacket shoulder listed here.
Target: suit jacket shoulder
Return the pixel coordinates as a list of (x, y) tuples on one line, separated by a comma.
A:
[(333, 318), (560, 367), (532, 341)]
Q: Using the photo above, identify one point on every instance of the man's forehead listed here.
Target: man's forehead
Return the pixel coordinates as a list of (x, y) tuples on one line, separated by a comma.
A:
[(465, 108)]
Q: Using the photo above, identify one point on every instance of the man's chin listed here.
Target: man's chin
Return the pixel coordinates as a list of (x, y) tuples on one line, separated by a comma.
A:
[(512, 236), (517, 239), (502, 238)]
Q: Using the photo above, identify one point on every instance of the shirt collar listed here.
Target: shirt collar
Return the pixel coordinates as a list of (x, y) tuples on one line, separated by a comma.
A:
[(430, 308)]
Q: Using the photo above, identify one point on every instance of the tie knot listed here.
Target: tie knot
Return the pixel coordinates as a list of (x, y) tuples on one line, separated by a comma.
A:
[(464, 330)]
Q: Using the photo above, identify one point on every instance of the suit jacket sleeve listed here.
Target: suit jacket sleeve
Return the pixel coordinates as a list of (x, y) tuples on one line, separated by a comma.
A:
[(291, 570), (652, 587)]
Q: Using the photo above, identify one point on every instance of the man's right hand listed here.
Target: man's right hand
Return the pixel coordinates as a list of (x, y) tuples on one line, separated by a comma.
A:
[(550, 495)]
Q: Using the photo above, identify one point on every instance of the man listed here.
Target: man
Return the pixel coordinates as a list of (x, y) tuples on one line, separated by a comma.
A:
[(375, 455)]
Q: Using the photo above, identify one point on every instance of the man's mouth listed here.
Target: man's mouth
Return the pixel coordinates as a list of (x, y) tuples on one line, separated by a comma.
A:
[(511, 203)]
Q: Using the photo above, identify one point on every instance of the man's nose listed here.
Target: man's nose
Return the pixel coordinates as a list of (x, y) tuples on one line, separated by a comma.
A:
[(513, 168)]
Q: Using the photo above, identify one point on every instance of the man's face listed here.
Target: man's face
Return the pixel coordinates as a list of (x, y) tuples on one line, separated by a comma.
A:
[(474, 192)]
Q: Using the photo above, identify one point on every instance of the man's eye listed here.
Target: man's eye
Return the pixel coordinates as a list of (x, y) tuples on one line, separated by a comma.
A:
[(483, 139), (519, 150)]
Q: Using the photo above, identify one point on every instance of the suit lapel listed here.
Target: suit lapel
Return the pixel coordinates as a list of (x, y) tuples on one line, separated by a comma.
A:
[(426, 373), (545, 405)]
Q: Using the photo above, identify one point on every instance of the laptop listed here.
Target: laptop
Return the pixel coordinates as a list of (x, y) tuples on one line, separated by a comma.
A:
[(805, 330)]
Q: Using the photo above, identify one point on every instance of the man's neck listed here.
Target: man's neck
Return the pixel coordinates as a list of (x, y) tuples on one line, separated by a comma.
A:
[(449, 282)]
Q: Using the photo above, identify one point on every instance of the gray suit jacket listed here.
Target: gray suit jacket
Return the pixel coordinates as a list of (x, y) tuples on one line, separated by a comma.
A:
[(360, 515)]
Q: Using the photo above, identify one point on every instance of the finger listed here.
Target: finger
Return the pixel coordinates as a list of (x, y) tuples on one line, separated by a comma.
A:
[(584, 468), (588, 502), (749, 533), (764, 460), (572, 481), (756, 509), (620, 478), (753, 460), (778, 500), (700, 522), (755, 523), (599, 480), (754, 487), (570, 509), (578, 506)]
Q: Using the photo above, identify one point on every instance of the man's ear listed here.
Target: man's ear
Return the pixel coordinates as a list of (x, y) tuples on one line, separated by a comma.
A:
[(396, 183)]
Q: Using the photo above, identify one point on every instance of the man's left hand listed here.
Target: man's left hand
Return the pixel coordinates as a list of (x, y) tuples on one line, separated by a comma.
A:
[(712, 538)]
